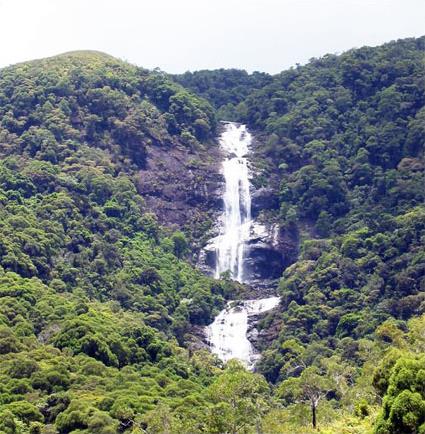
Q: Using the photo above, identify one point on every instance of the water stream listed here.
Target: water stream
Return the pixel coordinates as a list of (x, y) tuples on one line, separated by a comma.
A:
[(236, 220), (227, 335)]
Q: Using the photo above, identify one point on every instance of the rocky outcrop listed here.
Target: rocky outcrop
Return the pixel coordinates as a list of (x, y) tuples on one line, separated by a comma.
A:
[(261, 337), (184, 189), (263, 260)]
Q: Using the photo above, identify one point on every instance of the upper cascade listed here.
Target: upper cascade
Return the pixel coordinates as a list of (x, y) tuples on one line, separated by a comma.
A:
[(236, 219)]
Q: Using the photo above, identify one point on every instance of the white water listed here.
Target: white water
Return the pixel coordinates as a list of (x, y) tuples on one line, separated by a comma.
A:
[(230, 244), (227, 335)]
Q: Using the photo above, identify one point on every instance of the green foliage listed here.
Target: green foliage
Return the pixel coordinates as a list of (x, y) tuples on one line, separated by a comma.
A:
[(239, 400), (343, 138), (98, 302), (90, 97), (93, 291), (224, 88), (345, 130), (400, 380)]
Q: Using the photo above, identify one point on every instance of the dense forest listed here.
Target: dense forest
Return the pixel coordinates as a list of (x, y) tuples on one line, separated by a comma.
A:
[(100, 303)]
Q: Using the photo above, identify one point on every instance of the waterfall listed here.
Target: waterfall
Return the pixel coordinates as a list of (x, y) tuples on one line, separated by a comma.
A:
[(227, 335), (236, 219)]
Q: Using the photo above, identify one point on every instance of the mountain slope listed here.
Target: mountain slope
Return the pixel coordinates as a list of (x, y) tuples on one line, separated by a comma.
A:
[(346, 135), (95, 295), (99, 302), (342, 143)]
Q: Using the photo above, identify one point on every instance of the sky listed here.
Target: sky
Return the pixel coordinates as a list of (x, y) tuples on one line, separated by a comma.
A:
[(181, 35)]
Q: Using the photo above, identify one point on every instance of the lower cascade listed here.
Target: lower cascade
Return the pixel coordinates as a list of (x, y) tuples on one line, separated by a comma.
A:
[(227, 335)]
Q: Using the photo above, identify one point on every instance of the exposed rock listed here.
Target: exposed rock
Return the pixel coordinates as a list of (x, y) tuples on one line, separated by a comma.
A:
[(196, 340), (228, 334), (263, 259), (258, 254), (48, 332), (207, 258), (270, 249), (183, 188), (261, 337)]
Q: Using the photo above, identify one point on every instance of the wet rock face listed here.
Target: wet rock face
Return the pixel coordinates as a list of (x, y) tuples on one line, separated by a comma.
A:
[(264, 259), (262, 337), (263, 263), (184, 189), (210, 257)]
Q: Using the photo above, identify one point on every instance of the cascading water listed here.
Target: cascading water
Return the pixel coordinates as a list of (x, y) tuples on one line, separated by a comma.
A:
[(227, 335), (230, 245)]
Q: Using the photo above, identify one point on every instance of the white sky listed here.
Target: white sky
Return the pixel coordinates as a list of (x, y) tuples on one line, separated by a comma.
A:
[(180, 35)]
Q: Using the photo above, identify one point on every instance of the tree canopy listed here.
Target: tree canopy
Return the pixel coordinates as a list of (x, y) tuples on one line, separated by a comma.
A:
[(100, 305)]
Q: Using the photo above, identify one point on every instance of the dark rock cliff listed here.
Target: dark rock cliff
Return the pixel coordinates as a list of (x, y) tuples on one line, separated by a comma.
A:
[(183, 188)]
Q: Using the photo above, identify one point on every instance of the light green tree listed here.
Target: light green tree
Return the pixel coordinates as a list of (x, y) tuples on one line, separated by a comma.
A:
[(309, 388), (239, 400)]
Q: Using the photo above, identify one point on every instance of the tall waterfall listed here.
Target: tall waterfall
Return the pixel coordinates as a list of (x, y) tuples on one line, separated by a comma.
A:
[(227, 335), (235, 141)]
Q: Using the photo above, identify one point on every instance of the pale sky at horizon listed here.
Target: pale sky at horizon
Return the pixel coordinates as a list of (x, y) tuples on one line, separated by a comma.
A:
[(180, 35)]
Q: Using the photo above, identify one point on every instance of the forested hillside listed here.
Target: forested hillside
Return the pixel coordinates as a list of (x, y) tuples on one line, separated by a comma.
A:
[(100, 303), (345, 136), (90, 283), (224, 88)]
